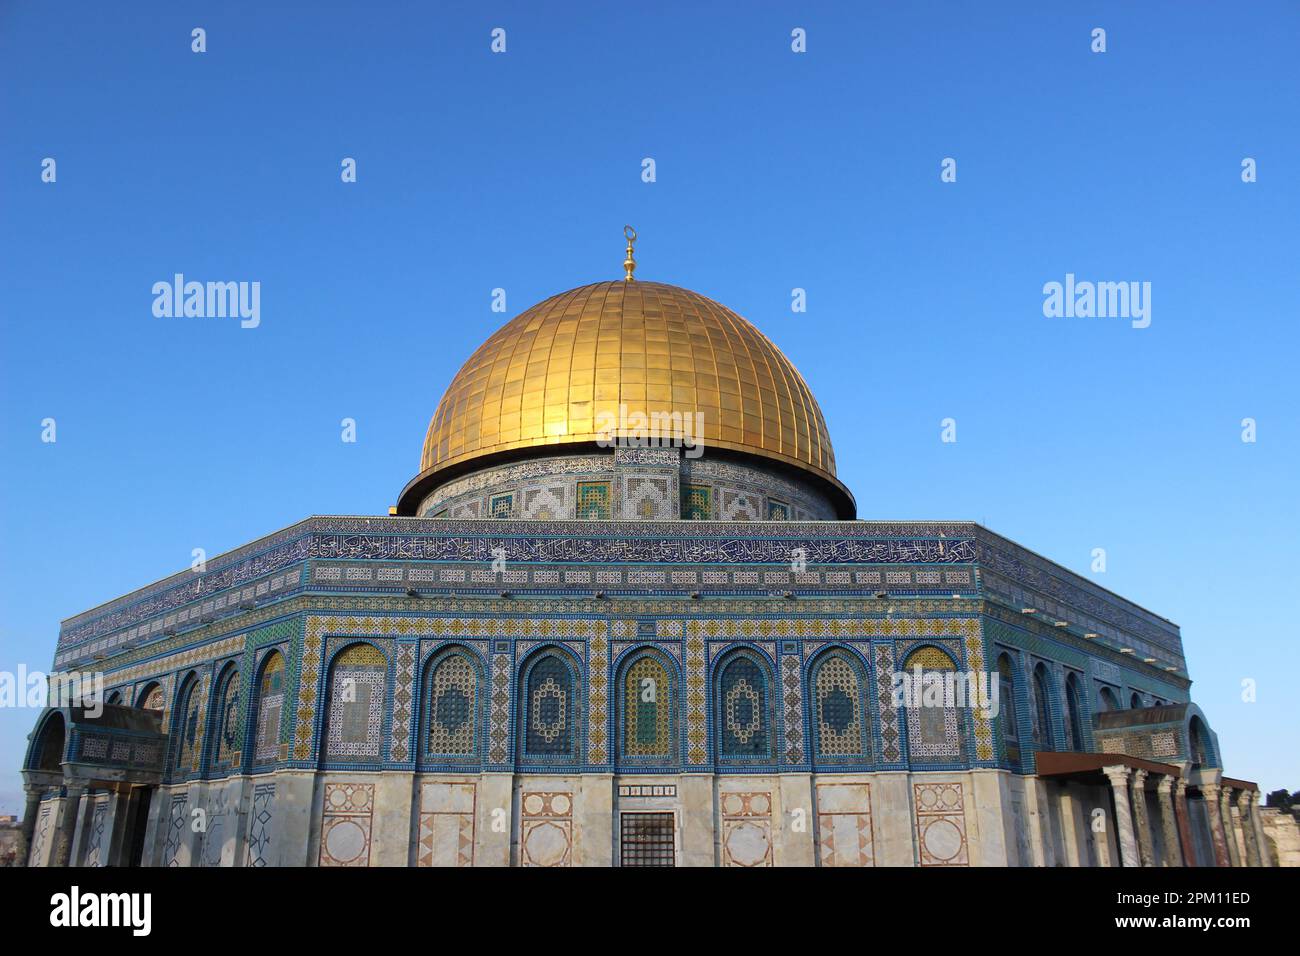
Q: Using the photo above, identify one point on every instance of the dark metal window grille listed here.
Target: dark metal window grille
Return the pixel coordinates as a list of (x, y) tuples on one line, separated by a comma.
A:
[(647, 839)]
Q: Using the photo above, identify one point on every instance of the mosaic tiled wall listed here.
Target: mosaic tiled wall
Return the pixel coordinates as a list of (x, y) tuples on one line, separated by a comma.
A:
[(271, 569), (505, 631), (629, 486), (874, 641)]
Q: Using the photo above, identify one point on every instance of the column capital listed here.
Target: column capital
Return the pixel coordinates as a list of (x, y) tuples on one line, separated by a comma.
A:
[(1164, 784), (1246, 798), (1117, 774), (1139, 777)]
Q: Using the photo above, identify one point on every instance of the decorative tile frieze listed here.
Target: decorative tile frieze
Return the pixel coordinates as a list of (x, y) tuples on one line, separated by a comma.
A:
[(598, 700)]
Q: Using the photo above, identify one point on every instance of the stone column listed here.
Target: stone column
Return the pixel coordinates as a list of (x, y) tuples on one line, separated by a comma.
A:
[(1214, 813), (62, 854), (1257, 827), (1229, 836), (1246, 810), (30, 813), (1168, 823), (1142, 819), (85, 816), (1185, 843), (1128, 851), (115, 823)]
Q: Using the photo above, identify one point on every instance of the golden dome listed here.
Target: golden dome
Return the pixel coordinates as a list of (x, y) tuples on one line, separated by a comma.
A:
[(551, 375)]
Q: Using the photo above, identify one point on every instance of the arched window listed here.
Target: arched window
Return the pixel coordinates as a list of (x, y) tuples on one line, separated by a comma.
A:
[(153, 698), (1135, 702), (1073, 713), (115, 698), (932, 732), (47, 755), (1042, 708), (270, 706), (189, 733), (1108, 699), (226, 719), (1200, 751), (1007, 708), (356, 704), (839, 715), (452, 705), (648, 705), (549, 709), (743, 708)]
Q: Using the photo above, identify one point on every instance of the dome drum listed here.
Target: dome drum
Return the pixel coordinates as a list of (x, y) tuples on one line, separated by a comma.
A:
[(629, 484), (553, 380)]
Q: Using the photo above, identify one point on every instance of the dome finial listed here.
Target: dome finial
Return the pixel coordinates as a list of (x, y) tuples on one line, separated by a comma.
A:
[(629, 264)]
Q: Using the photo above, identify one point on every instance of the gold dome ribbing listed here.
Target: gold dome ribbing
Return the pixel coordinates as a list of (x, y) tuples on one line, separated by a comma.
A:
[(547, 376)]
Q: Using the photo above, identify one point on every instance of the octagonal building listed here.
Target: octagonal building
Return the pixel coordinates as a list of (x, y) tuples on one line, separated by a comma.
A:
[(624, 615)]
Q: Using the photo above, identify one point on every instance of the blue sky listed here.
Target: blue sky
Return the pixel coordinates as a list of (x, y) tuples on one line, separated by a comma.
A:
[(775, 170)]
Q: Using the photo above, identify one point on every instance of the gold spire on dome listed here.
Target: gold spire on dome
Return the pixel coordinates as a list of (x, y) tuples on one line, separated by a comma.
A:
[(629, 264)]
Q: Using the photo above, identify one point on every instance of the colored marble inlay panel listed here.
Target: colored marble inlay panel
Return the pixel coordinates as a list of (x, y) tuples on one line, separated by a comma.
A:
[(258, 852), (941, 824), (844, 830), (746, 828), (446, 836), (546, 828), (346, 818)]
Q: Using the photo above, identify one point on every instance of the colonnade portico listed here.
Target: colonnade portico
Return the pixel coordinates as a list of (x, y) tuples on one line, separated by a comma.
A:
[(1165, 837), (80, 759)]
